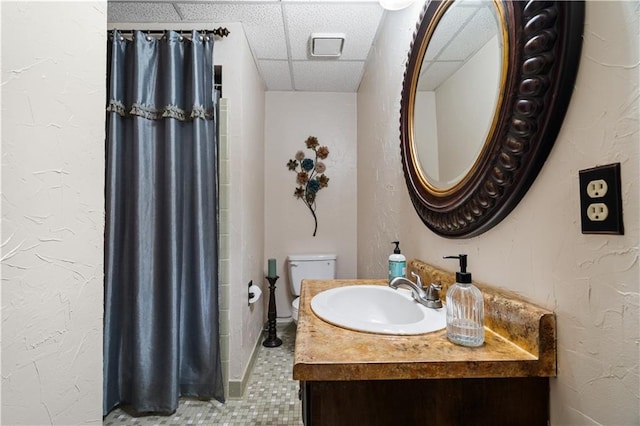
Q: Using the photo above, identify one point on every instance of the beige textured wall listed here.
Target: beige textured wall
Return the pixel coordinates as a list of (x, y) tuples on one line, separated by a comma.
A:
[(290, 118), (382, 195), (591, 282), (243, 87), (53, 94)]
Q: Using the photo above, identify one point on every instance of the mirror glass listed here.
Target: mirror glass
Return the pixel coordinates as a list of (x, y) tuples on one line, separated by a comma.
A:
[(460, 76)]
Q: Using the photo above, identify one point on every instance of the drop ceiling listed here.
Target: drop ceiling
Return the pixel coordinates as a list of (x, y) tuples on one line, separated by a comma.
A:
[(278, 35), (461, 33)]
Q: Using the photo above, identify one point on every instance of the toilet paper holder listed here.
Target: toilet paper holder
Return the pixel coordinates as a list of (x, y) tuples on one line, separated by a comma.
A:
[(254, 293)]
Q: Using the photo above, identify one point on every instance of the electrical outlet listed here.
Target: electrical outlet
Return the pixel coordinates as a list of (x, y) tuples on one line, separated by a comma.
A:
[(601, 200), (597, 188), (597, 212)]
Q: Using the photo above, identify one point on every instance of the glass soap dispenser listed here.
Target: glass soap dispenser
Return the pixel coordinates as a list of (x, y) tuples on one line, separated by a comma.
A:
[(465, 308)]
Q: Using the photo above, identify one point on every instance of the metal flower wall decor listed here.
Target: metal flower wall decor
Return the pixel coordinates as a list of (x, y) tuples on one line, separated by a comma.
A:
[(310, 177)]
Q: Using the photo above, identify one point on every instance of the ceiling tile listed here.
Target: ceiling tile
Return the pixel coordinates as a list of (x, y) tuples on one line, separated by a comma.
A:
[(327, 76), (141, 12), (276, 74), (358, 21), (435, 74), (451, 22), (475, 34), (262, 23), (267, 24)]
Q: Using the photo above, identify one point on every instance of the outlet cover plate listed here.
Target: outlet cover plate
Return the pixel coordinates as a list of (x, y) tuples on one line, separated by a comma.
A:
[(612, 199)]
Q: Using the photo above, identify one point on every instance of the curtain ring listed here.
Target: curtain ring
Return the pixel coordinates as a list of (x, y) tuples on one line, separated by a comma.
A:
[(181, 38)]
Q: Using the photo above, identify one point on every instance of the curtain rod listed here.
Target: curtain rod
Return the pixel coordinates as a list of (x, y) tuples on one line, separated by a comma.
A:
[(220, 32)]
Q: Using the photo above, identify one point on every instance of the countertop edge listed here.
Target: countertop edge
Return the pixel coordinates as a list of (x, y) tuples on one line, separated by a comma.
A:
[(416, 371)]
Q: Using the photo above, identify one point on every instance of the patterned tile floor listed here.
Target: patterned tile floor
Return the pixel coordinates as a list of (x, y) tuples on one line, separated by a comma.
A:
[(271, 397)]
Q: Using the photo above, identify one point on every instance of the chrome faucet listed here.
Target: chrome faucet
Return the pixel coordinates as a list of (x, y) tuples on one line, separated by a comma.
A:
[(429, 298)]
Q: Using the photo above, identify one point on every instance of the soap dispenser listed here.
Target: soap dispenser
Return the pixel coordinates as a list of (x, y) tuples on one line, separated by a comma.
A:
[(465, 308), (397, 263)]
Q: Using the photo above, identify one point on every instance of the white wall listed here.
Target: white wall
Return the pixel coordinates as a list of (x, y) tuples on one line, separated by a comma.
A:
[(53, 99), (290, 118), (244, 89), (591, 282), (427, 130), (382, 195)]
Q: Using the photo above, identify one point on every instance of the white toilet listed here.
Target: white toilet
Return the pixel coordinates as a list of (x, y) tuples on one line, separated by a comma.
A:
[(308, 266)]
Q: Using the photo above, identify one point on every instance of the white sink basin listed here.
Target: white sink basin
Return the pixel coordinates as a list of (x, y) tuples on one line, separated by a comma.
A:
[(376, 309)]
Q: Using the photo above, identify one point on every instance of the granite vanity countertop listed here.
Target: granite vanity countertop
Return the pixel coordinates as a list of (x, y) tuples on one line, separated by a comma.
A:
[(324, 352)]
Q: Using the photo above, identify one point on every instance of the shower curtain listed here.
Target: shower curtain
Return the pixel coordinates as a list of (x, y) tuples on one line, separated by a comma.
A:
[(161, 336)]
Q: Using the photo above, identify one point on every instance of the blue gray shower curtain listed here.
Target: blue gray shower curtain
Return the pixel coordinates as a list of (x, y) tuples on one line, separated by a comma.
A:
[(161, 335)]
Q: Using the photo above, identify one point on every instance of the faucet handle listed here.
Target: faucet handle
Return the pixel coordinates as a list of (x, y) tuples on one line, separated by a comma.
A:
[(418, 279), (433, 296), (436, 286)]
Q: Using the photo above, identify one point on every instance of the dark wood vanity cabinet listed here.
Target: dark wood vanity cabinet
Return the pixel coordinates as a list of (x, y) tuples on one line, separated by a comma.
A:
[(364, 379), (433, 402)]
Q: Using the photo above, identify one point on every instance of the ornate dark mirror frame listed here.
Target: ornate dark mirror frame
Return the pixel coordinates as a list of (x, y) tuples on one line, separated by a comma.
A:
[(544, 41)]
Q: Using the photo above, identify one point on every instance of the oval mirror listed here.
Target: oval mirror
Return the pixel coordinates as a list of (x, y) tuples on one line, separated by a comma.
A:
[(485, 91)]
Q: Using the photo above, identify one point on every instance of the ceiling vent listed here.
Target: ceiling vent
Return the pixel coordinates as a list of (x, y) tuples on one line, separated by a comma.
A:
[(324, 45)]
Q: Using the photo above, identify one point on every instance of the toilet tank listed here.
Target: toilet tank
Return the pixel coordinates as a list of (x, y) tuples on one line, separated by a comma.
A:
[(310, 266)]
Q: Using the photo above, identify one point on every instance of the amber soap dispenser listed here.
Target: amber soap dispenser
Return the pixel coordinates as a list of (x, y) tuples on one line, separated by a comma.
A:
[(465, 308)]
